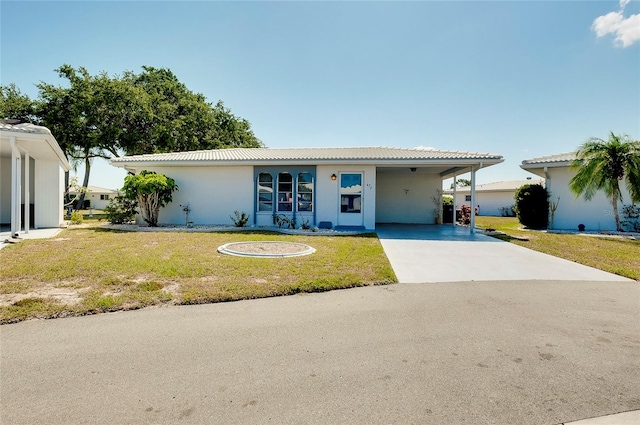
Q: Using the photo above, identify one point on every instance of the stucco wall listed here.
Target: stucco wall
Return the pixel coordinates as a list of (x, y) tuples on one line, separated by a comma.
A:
[(98, 203), (5, 190), (490, 202), (213, 193), (406, 197), (48, 193), (596, 214)]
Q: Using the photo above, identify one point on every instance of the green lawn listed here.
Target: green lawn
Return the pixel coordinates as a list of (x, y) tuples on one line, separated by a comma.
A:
[(615, 255), (90, 270)]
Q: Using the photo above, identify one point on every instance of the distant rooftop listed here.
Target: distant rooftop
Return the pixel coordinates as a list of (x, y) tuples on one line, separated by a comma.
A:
[(498, 186), (96, 189)]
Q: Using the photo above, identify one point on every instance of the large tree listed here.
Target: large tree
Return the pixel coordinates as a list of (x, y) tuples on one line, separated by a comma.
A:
[(87, 117), (176, 119), (601, 166), (102, 116)]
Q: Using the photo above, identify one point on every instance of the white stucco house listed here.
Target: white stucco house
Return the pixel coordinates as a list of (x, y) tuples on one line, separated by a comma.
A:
[(97, 197), (492, 198), (326, 187), (32, 168), (596, 214)]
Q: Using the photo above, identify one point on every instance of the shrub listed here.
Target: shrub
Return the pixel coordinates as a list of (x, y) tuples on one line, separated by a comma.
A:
[(76, 217), (532, 206), (120, 210), (283, 220), (151, 191), (508, 211), (240, 219), (305, 225), (465, 214)]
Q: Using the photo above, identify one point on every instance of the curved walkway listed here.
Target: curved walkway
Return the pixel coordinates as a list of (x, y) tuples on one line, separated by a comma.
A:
[(430, 253)]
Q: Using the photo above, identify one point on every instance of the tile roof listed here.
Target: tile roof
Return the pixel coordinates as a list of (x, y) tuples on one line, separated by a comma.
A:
[(559, 159), (25, 128), (308, 154)]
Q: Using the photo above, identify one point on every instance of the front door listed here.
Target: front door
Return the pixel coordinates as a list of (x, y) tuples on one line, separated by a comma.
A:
[(350, 201)]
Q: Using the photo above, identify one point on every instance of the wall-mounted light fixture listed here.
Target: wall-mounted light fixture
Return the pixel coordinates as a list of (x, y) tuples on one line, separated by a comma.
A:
[(333, 177), (413, 169)]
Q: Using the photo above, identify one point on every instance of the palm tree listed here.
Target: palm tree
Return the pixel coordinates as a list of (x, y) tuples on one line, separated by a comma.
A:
[(603, 164)]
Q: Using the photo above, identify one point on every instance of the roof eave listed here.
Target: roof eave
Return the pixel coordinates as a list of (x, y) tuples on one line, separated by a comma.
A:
[(465, 162), (47, 136)]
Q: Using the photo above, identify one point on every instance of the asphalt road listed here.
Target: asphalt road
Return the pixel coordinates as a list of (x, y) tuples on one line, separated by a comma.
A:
[(519, 352)]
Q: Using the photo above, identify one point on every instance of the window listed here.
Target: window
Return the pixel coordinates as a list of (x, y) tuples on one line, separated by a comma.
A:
[(305, 192), (265, 192), (467, 198), (285, 192), (350, 193), (104, 197)]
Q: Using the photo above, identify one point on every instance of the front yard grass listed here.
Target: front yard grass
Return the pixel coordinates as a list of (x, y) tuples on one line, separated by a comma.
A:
[(611, 254), (91, 270)]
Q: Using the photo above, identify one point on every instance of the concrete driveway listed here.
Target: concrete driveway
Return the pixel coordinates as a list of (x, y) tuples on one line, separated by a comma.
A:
[(429, 253)]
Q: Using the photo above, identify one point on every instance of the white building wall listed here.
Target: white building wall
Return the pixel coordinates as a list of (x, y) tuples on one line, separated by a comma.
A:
[(98, 203), (5, 190), (48, 193), (596, 214), (406, 197), (328, 193), (213, 193), (490, 202)]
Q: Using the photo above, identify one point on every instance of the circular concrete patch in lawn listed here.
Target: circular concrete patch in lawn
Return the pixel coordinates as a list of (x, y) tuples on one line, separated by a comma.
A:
[(266, 249)]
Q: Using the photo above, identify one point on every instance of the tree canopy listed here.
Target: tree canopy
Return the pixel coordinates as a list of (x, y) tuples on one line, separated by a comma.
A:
[(601, 166), (102, 116), (16, 106)]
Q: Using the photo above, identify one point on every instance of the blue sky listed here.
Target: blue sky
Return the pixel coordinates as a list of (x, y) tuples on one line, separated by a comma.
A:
[(518, 78)]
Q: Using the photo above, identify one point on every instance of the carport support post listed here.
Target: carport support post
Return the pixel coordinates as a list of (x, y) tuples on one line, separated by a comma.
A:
[(27, 200), (15, 187), (453, 221), (472, 224)]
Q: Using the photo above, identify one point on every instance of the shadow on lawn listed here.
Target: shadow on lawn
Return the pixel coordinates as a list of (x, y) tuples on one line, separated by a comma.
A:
[(507, 238)]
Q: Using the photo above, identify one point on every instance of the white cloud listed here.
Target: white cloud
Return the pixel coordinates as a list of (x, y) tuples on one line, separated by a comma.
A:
[(626, 30)]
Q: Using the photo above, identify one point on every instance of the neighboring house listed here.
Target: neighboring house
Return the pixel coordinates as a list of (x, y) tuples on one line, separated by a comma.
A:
[(97, 197), (596, 214), (32, 168), (495, 199), (338, 187)]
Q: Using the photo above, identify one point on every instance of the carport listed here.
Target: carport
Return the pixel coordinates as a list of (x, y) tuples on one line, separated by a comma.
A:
[(410, 192)]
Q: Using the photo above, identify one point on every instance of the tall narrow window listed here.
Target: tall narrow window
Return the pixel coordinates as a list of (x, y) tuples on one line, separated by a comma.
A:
[(285, 192), (265, 192), (350, 193), (305, 192)]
